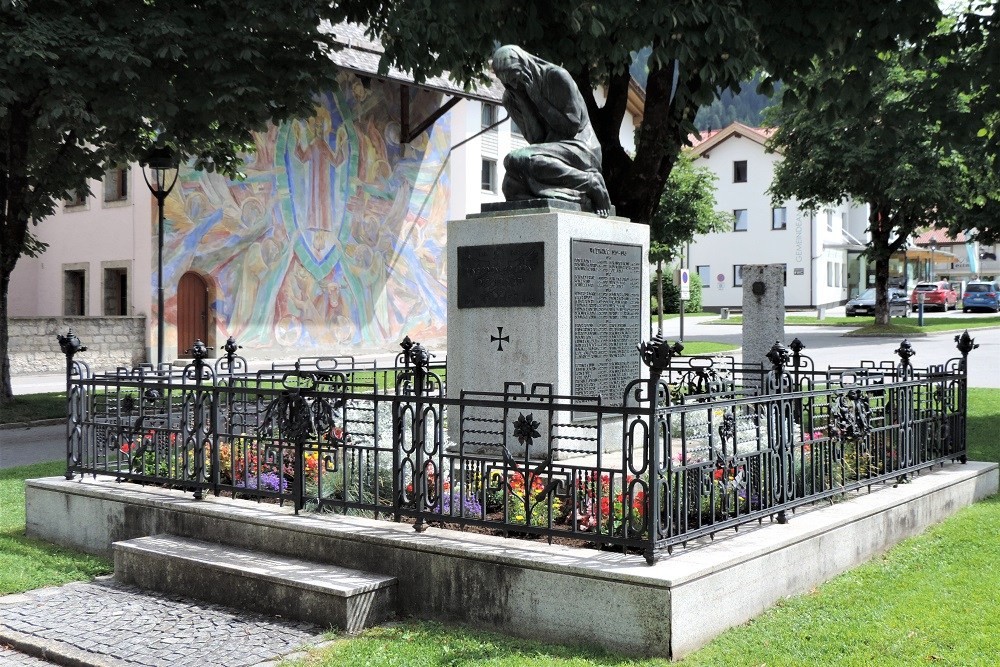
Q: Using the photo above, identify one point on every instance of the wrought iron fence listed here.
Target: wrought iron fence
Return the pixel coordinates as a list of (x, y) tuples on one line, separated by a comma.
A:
[(700, 445)]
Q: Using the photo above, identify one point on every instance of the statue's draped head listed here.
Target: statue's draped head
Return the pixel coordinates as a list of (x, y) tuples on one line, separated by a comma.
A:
[(514, 66)]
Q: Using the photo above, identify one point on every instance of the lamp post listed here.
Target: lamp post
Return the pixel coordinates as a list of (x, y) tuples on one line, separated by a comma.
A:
[(933, 244), (160, 161)]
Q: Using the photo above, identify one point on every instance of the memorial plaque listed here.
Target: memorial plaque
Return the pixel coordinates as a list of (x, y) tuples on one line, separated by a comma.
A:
[(501, 276), (606, 293)]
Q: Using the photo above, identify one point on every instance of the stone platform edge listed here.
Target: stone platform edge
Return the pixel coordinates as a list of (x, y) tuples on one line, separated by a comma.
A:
[(529, 589)]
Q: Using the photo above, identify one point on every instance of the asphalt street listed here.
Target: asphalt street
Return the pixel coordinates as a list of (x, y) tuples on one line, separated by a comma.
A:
[(24, 446)]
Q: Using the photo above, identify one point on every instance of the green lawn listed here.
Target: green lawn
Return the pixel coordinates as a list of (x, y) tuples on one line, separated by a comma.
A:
[(695, 347), (34, 406), (24, 563)]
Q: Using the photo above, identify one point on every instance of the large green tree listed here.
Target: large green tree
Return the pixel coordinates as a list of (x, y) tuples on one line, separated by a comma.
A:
[(687, 209), (86, 84), (890, 153), (697, 49)]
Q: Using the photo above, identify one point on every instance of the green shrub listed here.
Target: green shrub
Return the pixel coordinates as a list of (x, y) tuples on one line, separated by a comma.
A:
[(672, 294)]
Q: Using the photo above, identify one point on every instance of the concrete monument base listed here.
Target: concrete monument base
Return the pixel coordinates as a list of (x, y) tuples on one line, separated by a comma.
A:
[(550, 298)]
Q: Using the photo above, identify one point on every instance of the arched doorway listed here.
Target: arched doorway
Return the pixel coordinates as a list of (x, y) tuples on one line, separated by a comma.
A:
[(192, 312)]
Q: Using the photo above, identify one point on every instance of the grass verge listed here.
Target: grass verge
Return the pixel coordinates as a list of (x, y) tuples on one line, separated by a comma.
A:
[(34, 406), (695, 347), (26, 563)]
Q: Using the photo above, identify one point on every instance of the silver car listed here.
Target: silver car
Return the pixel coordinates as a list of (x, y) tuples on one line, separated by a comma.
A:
[(864, 303)]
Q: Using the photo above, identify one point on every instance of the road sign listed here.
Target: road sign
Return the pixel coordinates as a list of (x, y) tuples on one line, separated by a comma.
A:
[(683, 280)]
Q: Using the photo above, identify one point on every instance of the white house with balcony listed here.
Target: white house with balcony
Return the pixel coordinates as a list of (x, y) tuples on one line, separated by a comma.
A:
[(820, 250)]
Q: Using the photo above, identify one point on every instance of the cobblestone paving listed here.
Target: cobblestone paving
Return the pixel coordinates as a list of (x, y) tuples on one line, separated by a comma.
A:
[(140, 628), (11, 658)]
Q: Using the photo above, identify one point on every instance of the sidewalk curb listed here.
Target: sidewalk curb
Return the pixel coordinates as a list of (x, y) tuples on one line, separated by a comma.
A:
[(33, 424), (55, 651)]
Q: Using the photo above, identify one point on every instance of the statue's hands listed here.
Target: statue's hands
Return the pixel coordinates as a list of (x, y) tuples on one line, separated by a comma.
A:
[(597, 190)]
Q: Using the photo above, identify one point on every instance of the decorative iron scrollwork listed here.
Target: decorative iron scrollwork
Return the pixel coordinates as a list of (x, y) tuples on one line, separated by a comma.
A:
[(727, 428), (657, 353), (779, 356), (850, 416)]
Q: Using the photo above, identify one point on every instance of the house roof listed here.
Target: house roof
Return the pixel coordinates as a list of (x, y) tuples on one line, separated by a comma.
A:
[(712, 138), (939, 235), (361, 54)]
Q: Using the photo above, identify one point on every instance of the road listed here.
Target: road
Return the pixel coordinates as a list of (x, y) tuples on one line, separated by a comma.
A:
[(24, 446)]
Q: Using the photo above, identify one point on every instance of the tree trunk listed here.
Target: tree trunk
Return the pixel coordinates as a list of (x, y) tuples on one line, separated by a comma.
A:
[(880, 252), (6, 391), (635, 184)]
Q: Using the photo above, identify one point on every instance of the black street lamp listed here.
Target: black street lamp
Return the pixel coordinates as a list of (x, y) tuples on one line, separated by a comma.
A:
[(161, 162), (933, 244)]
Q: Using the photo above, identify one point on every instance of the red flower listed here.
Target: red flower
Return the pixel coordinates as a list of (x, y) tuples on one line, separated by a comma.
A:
[(718, 473)]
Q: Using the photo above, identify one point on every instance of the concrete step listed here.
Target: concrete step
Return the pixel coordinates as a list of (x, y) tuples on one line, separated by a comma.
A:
[(326, 595)]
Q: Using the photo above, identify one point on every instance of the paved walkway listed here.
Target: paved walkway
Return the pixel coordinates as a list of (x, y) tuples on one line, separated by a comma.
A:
[(104, 624)]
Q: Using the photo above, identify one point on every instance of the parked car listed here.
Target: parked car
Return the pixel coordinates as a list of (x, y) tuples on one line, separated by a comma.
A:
[(936, 295), (864, 303), (981, 294)]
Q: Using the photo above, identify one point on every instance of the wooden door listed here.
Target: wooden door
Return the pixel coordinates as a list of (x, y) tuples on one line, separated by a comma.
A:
[(192, 312)]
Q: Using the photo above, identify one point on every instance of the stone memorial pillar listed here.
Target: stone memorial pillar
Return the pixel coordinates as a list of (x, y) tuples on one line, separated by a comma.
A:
[(763, 310), (542, 293)]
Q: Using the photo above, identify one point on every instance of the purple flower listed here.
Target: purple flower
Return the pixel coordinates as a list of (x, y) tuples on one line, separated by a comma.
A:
[(269, 481), (455, 504)]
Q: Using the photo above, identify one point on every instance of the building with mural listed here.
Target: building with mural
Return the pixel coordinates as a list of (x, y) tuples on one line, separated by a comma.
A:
[(334, 241)]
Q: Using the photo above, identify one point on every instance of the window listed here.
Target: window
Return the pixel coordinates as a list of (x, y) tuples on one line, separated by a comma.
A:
[(837, 270), (829, 220), (704, 273), (843, 220), (784, 272), (116, 291), (490, 175), (515, 129), (740, 171), (74, 292), (829, 274), (116, 184), (779, 218), (76, 198), (740, 220), (489, 114), (737, 275)]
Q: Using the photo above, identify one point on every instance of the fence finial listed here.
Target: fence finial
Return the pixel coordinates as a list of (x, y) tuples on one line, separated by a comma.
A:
[(70, 344), (657, 353)]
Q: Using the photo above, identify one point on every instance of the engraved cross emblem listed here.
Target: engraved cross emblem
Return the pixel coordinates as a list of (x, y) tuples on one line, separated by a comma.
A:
[(500, 339)]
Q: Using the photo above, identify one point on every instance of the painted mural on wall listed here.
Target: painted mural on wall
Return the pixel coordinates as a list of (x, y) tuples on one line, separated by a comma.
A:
[(335, 240)]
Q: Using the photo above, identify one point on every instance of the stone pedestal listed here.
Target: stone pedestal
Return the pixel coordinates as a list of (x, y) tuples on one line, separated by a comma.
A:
[(763, 310), (545, 296)]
